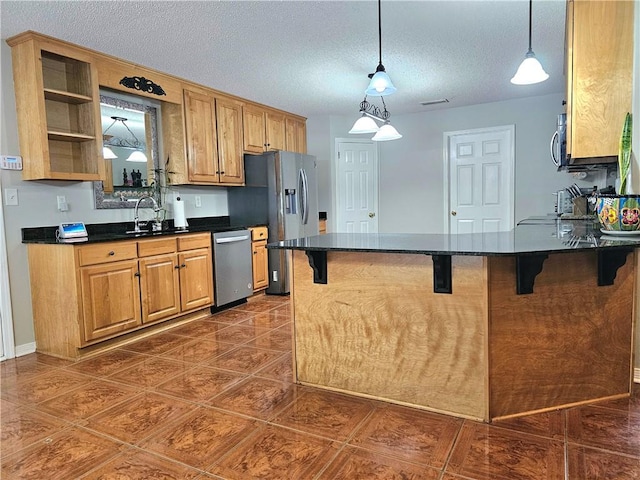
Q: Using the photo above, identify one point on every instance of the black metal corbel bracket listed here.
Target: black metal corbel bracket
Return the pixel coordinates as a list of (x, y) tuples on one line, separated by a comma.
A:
[(441, 273), (609, 261), (318, 262), (527, 269)]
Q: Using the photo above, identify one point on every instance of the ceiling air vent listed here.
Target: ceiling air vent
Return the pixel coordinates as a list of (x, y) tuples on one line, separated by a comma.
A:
[(434, 102)]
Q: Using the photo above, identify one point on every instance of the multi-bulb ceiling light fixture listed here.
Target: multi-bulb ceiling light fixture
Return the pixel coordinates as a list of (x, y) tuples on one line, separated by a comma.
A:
[(379, 86), (109, 141), (530, 70)]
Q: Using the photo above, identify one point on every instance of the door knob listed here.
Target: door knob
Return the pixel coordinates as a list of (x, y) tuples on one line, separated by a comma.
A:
[(371, 214), (454, 213)]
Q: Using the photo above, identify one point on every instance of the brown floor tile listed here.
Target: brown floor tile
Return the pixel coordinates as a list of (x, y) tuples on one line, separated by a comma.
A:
[(278, 339), (38, 388), (356, 464), (198, 328), (198, 351), (107, 363), (200, 383), (151, 372), (412, 435), (231, 317), (66, 455), (486, 452), (87, 400), (281, 369), (609, 429), (256, 307), (20, 427), (238, 334), (202, 437), (267, 320), (276, 453), (137, 465), (591, 464), (138, 417), (156, 344), (256, 397), (245, 359), (548, 424), (28, 365), (324, 413)]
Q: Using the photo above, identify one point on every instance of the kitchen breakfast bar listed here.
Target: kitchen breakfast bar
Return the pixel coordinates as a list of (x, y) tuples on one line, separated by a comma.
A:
[(481, 326)]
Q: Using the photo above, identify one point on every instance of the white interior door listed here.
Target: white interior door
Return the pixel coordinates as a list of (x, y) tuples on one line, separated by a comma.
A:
[(7, 349), (357, 186), (480, 193)]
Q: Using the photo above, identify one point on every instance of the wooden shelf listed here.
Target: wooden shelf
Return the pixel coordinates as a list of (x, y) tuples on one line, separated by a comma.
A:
[(65, 97), (69, 137)]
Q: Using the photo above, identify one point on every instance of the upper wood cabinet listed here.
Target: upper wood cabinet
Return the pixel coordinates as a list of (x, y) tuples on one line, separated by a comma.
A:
[(599, 76), (213, 133), (58, 110), (266, 130), (296, 135)]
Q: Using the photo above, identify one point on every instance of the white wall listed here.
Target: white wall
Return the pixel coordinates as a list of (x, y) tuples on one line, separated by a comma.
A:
[(37, 206), (411, 169)]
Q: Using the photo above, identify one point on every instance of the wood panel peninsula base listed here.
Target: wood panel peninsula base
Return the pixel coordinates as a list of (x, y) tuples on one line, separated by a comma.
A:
[(376, 328)]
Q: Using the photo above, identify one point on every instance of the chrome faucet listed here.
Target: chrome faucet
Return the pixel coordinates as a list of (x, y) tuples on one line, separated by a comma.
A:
[(156, 208)]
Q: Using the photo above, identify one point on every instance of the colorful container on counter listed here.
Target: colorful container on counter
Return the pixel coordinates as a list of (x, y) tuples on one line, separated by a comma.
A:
[(619, 213)]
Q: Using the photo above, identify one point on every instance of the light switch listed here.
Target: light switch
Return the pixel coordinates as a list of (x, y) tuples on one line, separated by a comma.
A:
[(11, 196)]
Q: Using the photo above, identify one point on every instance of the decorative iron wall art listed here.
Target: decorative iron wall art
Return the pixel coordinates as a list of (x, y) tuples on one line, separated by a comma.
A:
[(142, 84)]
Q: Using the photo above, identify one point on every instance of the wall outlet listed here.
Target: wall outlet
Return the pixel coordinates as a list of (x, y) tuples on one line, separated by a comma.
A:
[(11, 196), (63, 206), (198, 201)]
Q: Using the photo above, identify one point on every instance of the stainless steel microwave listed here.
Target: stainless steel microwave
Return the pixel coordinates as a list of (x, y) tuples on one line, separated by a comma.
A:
[(558, 144)]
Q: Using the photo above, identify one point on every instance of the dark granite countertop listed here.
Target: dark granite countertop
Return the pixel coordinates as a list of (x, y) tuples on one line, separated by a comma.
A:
[(556, 237), (108, 232)]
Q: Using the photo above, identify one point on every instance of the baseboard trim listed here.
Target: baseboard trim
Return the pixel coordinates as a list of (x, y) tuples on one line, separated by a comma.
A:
[(25, 349), (636, 375)]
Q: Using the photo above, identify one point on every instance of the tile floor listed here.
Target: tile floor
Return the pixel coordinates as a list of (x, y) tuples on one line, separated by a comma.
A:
[(214, 400)]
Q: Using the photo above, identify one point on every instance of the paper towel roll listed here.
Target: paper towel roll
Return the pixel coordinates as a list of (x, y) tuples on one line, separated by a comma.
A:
[(179, 218)]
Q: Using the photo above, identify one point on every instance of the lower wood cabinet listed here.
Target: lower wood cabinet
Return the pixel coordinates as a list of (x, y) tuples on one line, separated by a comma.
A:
[(260, 258), (86, 294)]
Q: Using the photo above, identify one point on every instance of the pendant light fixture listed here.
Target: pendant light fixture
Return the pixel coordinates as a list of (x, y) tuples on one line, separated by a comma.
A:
[(380, 84), (137, 155), (530, 70)]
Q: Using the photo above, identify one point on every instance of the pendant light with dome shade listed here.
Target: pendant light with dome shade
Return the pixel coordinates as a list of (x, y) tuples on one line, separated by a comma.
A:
[(380, 84), (530, 70), (133, 143)]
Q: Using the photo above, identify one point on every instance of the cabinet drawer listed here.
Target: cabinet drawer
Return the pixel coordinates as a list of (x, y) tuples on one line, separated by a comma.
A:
[(259, 233), (191, 242), (156, 246), (106, 252)]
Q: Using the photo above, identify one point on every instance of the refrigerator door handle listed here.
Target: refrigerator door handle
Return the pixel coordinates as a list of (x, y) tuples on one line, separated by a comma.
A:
[(304, 197)]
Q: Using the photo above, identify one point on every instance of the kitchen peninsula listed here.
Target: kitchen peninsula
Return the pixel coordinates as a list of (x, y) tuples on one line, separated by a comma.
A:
[(481, 326)]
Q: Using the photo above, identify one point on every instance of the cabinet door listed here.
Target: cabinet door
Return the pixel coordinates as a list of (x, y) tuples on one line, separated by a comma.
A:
[(296, 135), (110, 299), (599, 75), (196, 279), (202, 155), (229, 122), (260, 265), (253, 129), (275, 131), (159, 287)]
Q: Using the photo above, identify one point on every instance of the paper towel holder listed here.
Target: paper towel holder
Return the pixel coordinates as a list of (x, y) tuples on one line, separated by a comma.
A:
[(179, 218)]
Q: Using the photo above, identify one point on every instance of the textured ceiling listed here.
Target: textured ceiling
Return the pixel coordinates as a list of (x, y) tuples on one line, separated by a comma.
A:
[(313, 57)]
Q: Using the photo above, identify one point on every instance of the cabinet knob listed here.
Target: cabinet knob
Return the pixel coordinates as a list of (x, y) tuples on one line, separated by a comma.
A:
[(177, 267), (183, 266), (112, 253), (137, 274), (221, 173)]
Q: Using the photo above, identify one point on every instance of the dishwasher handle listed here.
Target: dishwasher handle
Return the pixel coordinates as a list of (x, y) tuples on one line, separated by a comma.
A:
[(238, 238)]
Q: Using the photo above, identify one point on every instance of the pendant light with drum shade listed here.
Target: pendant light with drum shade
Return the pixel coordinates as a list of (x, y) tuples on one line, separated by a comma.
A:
[(530, 70), (379, 86)]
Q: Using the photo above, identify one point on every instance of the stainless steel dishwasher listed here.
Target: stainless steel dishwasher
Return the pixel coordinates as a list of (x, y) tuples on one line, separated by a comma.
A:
[(233, 273)]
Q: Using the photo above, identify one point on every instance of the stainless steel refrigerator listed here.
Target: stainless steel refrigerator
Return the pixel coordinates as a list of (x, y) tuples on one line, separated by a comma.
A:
[(281, 191)]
